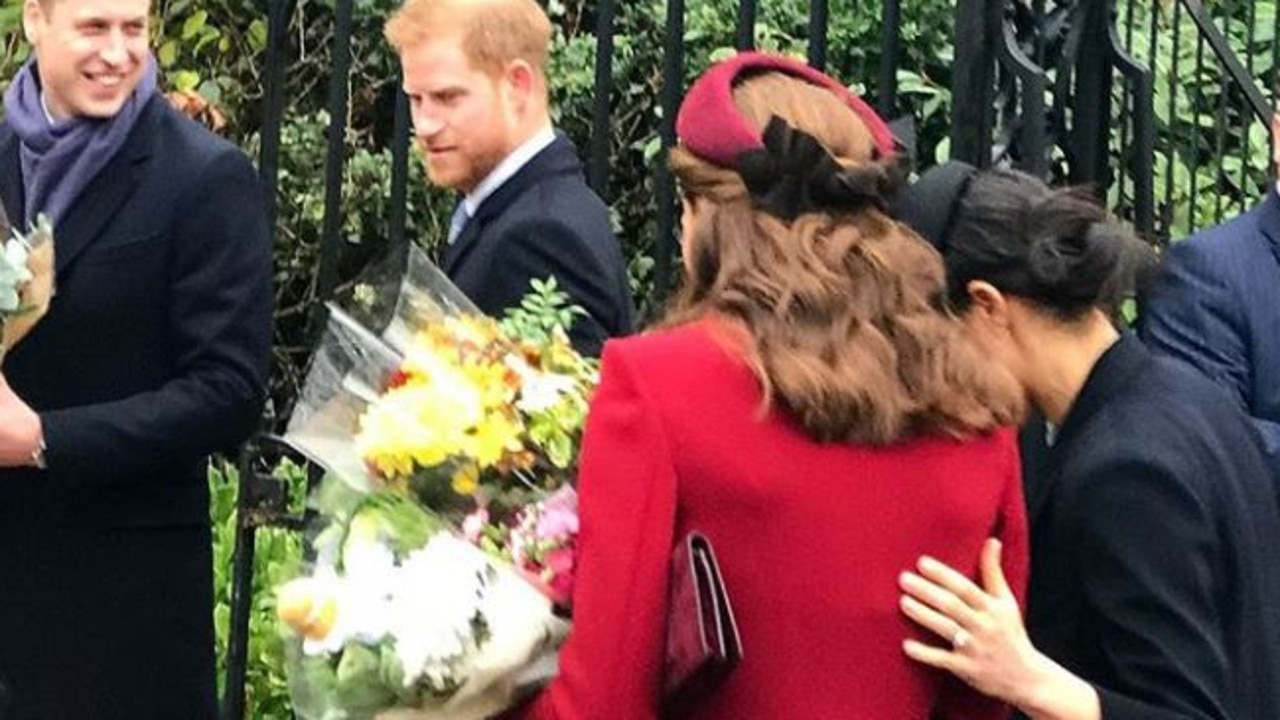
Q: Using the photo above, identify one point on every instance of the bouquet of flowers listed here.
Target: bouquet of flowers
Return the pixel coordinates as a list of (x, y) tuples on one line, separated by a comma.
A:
[(26, 280), (444, 550)]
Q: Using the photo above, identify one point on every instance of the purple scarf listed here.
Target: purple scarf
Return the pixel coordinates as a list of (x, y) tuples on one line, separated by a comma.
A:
[(58, 160)]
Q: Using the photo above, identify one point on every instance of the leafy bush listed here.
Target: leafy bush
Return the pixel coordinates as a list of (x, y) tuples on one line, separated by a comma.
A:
[(277, 554)]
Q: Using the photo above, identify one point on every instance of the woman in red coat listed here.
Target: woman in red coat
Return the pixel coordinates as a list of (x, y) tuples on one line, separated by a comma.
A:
[(806, 408)]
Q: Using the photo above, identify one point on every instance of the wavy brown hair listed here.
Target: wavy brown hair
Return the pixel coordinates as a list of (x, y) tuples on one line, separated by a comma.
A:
[(840, 308)]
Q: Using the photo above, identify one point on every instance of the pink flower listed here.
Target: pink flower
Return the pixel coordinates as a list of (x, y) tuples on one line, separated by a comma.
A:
[(557, 524), (558, 571), (559, 516)]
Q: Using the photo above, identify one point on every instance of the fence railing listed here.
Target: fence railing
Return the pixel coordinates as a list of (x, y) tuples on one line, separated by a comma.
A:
[(1157, 105), (1211, 145)]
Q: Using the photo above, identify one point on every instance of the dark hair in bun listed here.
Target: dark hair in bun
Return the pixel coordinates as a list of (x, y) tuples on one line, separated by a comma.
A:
[(1055, 247)]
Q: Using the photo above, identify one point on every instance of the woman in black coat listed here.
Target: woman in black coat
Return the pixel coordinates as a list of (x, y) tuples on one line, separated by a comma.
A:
[(1152, 594)]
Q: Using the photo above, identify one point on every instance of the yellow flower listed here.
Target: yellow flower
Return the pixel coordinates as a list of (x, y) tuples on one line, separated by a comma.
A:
[(467, 479), (418, 425), (492, 381), (493, 437)]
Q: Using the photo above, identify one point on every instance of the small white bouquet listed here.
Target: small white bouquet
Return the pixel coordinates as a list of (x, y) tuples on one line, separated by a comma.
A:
[(26, 281)]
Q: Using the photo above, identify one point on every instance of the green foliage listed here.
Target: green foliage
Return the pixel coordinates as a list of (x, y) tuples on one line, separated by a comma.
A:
[(1212, 157), (13, 50), (277, 554), (542, 312)]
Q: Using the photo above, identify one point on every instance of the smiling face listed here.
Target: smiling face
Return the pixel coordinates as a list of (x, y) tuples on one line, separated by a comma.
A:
[(91, 54), (465, 120)]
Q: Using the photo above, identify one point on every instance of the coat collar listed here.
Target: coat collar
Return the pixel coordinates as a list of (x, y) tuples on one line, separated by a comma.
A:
[(558, 158), (99, 200), (1117, 369)]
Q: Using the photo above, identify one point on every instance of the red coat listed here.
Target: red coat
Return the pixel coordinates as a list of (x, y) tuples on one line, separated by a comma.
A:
[(810, 538)]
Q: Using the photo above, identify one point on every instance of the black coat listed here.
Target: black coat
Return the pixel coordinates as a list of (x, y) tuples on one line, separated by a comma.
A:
[(153, 355), (545, 222), (1153, 542)]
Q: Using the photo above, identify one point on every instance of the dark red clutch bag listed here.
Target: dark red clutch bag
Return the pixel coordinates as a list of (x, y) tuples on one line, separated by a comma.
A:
[(702, 635)]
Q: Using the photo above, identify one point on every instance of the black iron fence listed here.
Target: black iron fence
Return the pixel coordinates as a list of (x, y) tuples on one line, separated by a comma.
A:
[(1210, 113), (1155, 104)]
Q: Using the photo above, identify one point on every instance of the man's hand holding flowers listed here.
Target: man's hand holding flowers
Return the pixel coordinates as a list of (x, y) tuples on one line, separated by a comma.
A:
[(21, 436), (26, 288)]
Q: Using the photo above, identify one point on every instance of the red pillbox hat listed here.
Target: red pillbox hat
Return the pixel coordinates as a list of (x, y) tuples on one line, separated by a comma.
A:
[(710, 126)]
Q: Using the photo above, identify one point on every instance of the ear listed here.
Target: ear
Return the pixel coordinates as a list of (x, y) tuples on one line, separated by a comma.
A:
[(986, 299), (33, 17), (1275, 140), (521, 81)]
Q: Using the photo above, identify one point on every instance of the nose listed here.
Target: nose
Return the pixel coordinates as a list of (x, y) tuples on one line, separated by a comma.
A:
[(425, 123), (114, 48)]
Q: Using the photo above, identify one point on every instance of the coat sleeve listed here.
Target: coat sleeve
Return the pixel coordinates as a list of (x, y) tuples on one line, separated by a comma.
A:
[(1145, 544), (219, 305), (611, 665), (1195, 313), (543, 248), (958, 700)]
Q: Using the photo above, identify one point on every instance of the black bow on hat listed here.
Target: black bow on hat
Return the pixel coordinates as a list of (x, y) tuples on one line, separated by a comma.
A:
[(794, 174)]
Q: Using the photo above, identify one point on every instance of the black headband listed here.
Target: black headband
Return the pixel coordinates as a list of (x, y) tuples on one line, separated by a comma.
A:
[(928, 206)]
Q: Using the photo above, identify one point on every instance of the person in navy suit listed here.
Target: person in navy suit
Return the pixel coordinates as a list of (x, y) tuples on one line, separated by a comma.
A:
[(154, 354), (1153, 588), (474, 71), (1216, 305)]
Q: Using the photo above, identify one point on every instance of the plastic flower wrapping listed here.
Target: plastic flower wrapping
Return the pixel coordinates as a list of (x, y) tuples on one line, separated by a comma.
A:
[(26, 279), (445, 526)]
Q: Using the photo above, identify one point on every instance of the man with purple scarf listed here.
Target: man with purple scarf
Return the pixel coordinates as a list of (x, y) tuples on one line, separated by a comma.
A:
[(154, 353)]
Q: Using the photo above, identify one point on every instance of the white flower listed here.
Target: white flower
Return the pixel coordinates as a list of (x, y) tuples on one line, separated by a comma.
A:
[(541, 391), (357, 598), (437, 600), (324, 587), (368, 584), (13, 275)]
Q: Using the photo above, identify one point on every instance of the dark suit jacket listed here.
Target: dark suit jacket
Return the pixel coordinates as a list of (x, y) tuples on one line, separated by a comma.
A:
[(1152, 547), (154, 354), (1216, 305), (545, 222)]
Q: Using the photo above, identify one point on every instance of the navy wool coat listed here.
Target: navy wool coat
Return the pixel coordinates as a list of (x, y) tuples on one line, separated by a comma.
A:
[(153, 355), (545, 222), (1216, 304)]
